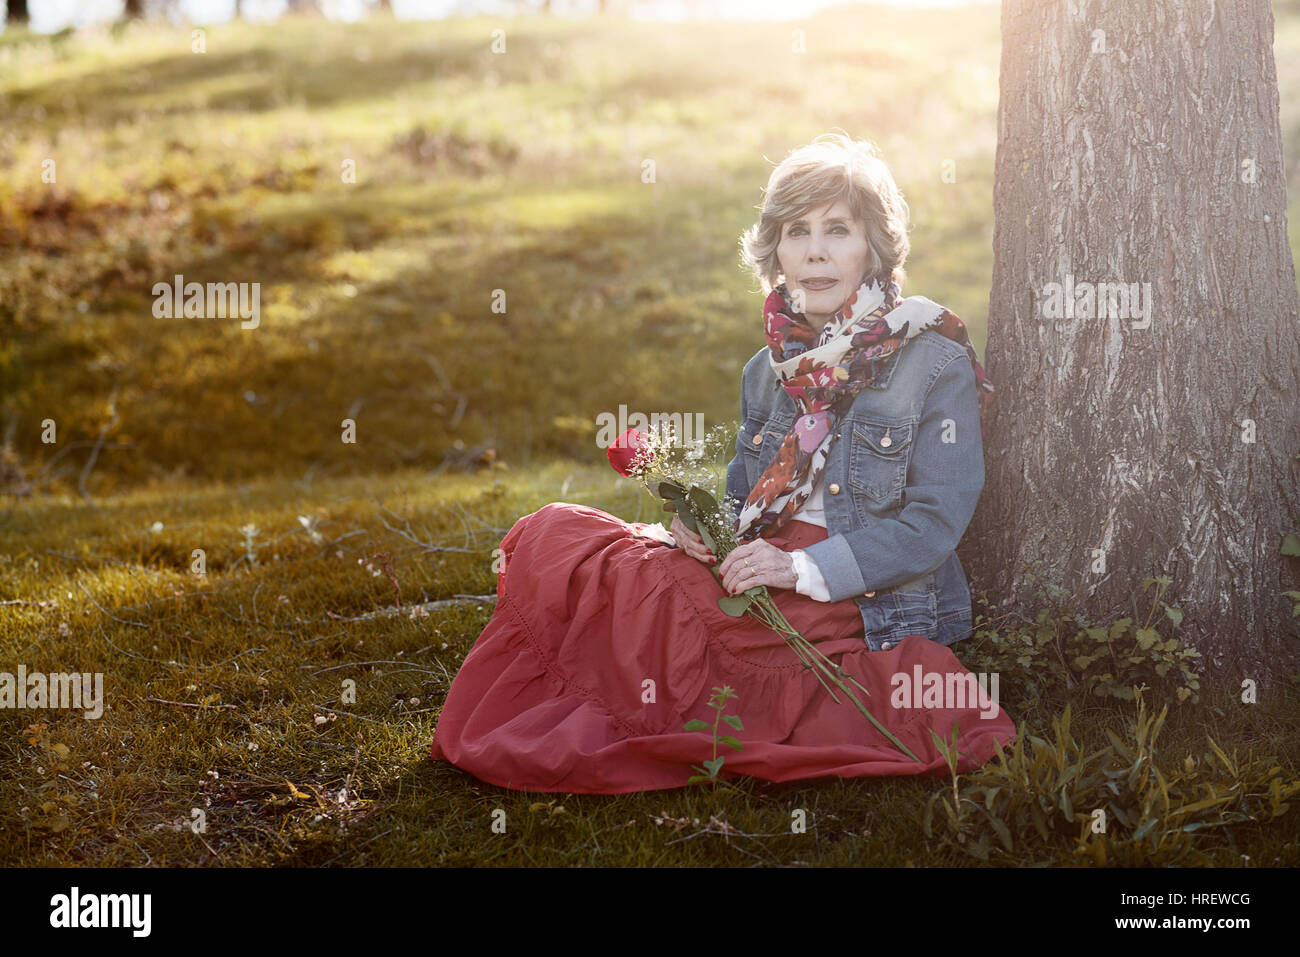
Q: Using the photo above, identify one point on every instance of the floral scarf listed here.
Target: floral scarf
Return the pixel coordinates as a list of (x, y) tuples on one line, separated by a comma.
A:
[(823, 371)]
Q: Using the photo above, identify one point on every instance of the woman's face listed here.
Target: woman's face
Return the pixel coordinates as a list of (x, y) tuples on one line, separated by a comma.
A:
[(825, 255)]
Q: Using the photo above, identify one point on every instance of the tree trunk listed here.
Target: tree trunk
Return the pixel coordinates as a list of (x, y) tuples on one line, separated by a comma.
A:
[(17, 11), (133, 10), (1140, 143)]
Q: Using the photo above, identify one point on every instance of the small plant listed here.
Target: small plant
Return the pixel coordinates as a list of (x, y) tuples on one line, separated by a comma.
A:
[(55, 761), (951, 755), (1062, 650), (310, 525), (550, 811), (718, 702), (250, 533), (1116, 805)]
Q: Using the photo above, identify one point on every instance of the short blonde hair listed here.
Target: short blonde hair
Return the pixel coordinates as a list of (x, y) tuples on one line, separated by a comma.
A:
[(832, 167)]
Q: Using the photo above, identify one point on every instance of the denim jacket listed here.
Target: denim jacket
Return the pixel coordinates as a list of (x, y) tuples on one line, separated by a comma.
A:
[(895, 510)]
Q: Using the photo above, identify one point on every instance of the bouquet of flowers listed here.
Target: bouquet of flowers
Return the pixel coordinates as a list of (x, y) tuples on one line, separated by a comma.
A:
[(674, 472)]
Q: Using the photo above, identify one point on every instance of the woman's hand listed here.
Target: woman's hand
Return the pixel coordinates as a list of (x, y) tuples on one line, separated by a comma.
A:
[(757, 563), (690, 542)]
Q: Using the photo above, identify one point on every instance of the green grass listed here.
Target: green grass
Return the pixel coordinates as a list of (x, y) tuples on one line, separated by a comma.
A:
[(101, 590), (476, 172)]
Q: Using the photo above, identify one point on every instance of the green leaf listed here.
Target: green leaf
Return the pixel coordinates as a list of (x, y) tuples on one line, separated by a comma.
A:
[(939, 743), (927, 819), (731, 742), (1145, 829), (1119, 627), (714, 766), (670, 490), (702, 503), (1003, 832), (676, 494), (698, 779), (1175, 614), (735, 605), (1147, 638), (1291, 545), (706, 536), (695, 724), (734, 721), (698, 502)]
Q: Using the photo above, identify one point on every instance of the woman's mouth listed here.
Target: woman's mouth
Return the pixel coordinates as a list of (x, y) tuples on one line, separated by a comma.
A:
[(818, 284)]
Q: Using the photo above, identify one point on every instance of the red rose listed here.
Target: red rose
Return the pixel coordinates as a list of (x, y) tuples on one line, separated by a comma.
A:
[(630, 449)]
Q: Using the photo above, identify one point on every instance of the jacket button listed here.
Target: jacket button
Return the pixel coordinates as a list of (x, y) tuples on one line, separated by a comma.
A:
[(833, 488), (758, 439)]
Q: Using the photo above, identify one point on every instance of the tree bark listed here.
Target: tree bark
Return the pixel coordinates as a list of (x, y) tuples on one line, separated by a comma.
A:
[(1140, 143), (17, 11)]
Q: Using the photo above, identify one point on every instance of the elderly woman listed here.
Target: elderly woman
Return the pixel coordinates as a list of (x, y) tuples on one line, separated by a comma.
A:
[(861, 414), (858, 465)]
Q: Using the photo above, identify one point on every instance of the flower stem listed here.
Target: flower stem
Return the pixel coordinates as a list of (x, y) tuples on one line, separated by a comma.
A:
[(812, 657)]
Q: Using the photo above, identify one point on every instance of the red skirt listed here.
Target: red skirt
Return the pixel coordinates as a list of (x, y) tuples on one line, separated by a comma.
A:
[(605, 642)]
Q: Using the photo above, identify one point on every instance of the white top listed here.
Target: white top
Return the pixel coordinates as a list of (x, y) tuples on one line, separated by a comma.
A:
[(809, 580)]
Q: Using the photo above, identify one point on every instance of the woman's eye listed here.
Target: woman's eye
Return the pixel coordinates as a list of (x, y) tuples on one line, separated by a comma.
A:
[(799, 230)]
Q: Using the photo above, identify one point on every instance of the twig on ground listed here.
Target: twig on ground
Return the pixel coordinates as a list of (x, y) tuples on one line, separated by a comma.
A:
[(352, 714), (408, 533), (137, 624), (390, 611), (358, 664), (189, 704)]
